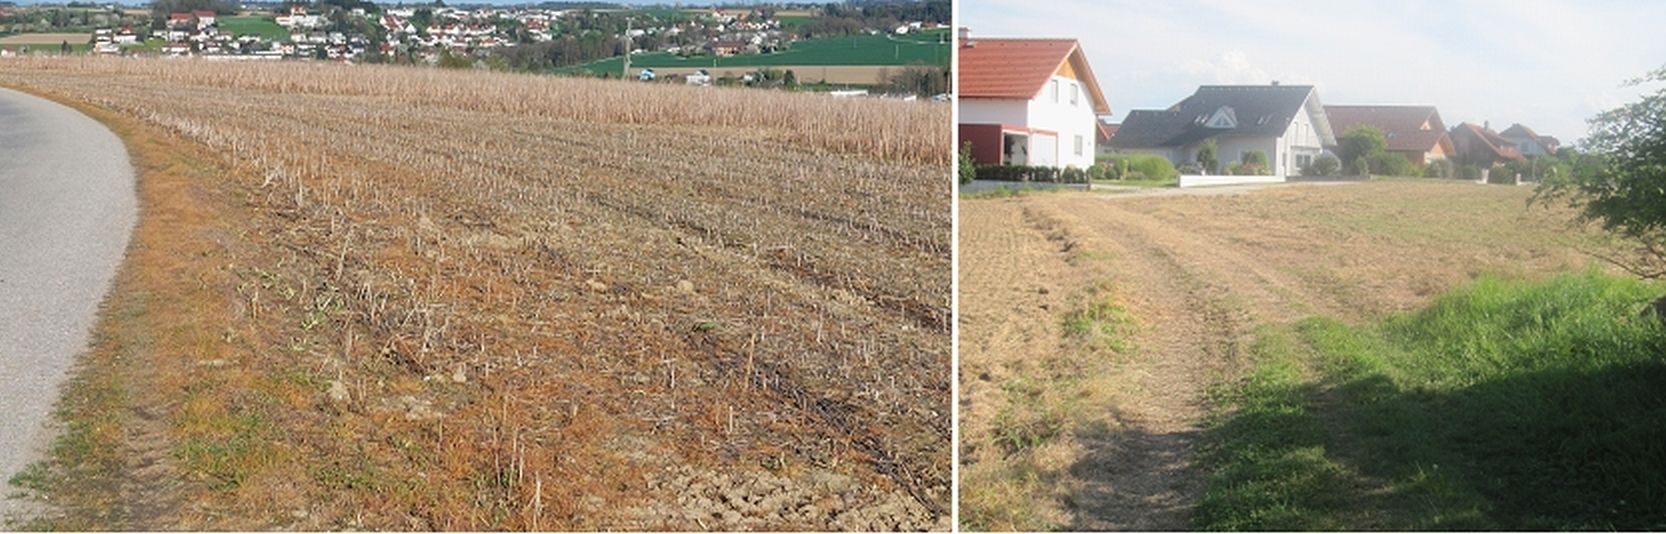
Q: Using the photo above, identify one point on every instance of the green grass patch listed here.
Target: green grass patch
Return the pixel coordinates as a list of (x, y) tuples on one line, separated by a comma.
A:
[(264, 27), (884, 49), (1507, 404)]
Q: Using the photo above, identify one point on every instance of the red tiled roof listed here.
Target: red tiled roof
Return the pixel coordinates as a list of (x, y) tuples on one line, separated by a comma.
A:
[(1501, 147), (1107, 131), (1019, 68), (1401, 125)]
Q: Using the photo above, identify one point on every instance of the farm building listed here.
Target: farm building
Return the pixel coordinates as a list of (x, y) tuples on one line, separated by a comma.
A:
[(1029, 102), (1479, 145), (1415, 132), (1287, 123)]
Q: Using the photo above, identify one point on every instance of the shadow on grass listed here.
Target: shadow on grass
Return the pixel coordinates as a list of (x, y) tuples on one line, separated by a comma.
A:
[(1564, 448), (1132, 479)]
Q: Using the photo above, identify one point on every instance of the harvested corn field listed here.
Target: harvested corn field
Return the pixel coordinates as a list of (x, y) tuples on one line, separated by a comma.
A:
[(394, 298)]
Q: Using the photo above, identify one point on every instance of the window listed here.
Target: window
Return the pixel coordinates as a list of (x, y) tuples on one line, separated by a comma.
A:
[(1055, 90), (1302, 161), (1078, 145), (1073, 92)]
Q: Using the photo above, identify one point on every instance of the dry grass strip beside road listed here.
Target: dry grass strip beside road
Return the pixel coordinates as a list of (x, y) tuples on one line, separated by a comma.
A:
[(160, 328)]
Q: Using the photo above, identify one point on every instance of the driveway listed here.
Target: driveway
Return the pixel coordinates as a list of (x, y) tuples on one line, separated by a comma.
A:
[(67, 207)]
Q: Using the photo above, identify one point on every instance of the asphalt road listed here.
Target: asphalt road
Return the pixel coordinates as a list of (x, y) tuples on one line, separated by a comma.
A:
[(67, 207)]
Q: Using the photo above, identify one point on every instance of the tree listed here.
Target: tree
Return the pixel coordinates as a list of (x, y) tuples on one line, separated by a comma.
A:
[(968, 167), (1621, 181), (1360, 142), (918, 79), (1206, 156), (789, 79)]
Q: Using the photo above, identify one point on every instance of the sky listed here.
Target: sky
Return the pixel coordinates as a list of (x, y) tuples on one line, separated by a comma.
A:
[(1547, 64)]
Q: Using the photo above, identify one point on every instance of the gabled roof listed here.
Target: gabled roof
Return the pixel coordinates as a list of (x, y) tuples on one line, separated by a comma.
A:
[(1403, 126), (1258, 110), (1107, 130), (1489, 139), (1020, 68), (1518, 131)]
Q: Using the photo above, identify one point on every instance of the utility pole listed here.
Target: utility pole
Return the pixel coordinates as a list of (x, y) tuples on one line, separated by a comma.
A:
[(627, 37)]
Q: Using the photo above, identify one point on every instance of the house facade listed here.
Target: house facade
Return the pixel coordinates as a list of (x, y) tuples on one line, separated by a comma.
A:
[(1479, 145), (1028, 102), (1529, 142), (1415, 132), (1285, 122)]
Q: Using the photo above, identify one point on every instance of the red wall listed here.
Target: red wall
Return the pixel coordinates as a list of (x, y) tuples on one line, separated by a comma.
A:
[(986, 142)]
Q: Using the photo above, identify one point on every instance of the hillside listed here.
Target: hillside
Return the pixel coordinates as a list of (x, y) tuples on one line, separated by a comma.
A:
[(402, 298), (929, 47)]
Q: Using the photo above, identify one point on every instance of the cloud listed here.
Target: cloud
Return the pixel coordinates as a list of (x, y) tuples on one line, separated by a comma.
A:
[(1232, 67)]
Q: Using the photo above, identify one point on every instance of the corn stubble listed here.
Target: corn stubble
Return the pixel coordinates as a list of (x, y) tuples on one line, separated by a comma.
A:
[(506, 301)]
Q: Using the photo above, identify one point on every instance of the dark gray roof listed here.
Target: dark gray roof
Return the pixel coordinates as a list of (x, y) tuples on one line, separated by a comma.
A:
[(1260, 110)]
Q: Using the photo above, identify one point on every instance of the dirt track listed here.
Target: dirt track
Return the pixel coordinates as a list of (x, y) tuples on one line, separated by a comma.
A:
[(1198, 273)]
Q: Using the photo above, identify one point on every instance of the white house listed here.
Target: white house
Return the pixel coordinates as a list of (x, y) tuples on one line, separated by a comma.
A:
[(1028, 102), (1287, 123)]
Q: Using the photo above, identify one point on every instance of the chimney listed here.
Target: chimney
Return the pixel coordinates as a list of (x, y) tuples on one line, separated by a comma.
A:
[(1486, 125), (966, 37), (1275, 83)]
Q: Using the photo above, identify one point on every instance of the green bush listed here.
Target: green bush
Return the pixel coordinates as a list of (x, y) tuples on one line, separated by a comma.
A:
[(1390, 164), (1324, 165), (1254, 157), (1026, 173), (1206, 157), (1359, 167), (1469, 171), (1360, 141), (968, 167), (1153, 167), (1439, 168)]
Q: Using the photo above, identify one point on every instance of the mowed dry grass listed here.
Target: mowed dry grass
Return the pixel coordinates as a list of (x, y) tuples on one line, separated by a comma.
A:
[(460, 300), (1197, 276)]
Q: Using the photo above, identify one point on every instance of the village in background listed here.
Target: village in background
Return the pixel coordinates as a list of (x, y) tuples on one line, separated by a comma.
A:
[(1067, 133), (897, 48)]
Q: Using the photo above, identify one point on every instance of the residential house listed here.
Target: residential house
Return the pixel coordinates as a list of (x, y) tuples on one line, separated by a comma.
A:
[(1415, 132), (1029, 102), (205, 18), (700, 77), (1287, 123), (181, 21), (1529, 142), (1479, 145), (1107, 132)]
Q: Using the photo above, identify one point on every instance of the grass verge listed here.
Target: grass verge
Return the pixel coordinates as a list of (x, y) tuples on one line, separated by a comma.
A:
[(1046, 406), (156, 327), (1508, 404)]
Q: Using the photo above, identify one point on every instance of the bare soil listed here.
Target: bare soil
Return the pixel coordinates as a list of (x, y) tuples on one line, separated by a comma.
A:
[(1199, 273)]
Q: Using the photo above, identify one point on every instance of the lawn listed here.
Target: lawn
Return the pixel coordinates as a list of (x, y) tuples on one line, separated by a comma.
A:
[(264, 27), (884, 49), (1506, 404)]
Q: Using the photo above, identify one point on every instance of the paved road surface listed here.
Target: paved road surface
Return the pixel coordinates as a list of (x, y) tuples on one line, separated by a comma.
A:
[(67, 206)]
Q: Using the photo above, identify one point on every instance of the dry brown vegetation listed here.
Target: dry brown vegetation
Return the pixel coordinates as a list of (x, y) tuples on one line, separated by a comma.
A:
[(1053, 437), (366, 297)]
